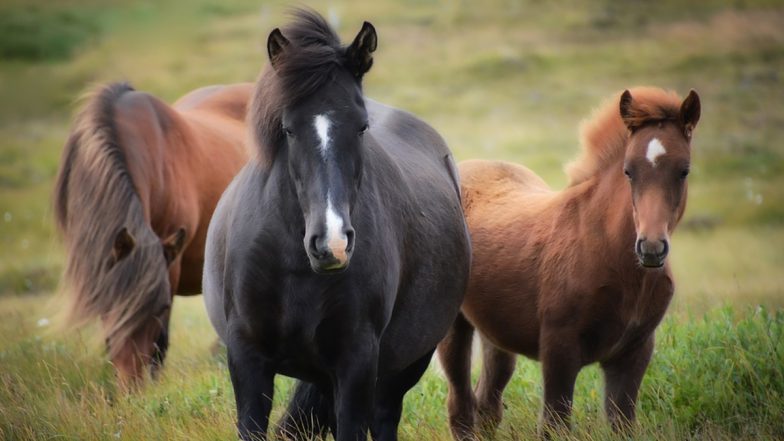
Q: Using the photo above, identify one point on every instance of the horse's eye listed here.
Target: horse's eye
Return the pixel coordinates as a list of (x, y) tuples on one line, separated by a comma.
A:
[(364, 129), (684, 173), (288, 131), (627, 173)]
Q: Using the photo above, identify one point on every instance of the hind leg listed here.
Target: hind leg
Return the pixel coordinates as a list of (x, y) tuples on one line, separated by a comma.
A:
[(622, 378), (498, 367), (309, 413), (389, 399), (454, 352)]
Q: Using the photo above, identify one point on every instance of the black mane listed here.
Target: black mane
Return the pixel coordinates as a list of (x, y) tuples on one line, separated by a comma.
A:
[(309, 61)]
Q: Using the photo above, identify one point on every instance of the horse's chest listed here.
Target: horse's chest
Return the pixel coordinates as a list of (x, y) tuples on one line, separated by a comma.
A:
[(297, 322), (627, 321)]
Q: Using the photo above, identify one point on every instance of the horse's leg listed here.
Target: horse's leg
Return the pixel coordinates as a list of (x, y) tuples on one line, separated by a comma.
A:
[(622, 377), (454, 352), (389, 399), (560, 365), (252, 379), (308, 414), (160, 347), (498, 367), (354, 389)]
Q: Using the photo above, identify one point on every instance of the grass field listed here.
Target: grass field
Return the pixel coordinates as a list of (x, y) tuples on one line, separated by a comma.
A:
[(501, 79)]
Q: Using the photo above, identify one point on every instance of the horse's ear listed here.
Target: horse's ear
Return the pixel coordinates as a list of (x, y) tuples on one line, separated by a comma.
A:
[(173, 244), (627, 112), (690, 112), (276, 44), (359, 53), (123, 245)]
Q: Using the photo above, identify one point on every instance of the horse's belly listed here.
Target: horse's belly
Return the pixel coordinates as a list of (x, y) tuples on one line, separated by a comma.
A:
[(509, 322)]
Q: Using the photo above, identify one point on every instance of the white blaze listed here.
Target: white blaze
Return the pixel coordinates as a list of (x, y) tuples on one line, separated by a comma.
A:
[(322, 124), (336, 240), (655, 149)]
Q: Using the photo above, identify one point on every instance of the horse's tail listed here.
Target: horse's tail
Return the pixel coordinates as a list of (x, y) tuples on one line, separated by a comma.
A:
[(96, 202), (308, 413)]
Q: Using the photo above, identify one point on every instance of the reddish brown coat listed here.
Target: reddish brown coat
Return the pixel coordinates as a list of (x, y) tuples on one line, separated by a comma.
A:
[(555, 275)]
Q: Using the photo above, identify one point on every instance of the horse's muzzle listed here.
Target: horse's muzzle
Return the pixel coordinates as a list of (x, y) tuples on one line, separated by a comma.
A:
[(329, 256), (652, 254)]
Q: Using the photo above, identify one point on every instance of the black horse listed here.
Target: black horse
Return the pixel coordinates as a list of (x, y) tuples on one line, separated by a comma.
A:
[(339, 255)]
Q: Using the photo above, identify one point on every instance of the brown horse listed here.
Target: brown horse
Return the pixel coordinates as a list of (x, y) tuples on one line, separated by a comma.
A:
[(137, 185), (577, 276)]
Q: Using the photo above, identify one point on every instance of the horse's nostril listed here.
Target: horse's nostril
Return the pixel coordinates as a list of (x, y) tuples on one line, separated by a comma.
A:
[(665, 248), (349, 240), (314, 249), (638, 246)]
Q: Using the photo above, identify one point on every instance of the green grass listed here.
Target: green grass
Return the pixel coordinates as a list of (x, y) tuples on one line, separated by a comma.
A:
[(503, 80), (715, 376)]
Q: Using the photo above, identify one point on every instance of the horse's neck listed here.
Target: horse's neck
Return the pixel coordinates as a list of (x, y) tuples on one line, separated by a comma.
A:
[(158, 164), (605, 202), (605, 213)]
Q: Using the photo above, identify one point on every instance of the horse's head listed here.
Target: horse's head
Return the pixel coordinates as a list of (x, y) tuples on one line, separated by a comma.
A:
[(657, 161), (137, 332), (322, 130)]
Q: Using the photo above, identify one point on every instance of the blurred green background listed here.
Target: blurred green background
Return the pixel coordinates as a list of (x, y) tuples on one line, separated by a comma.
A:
[(499, 79)]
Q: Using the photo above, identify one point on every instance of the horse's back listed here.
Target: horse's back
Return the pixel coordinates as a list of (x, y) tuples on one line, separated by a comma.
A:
[(226, 101), (482, 178), (403, 134), (419, 153), (503, 192), (508, 210)]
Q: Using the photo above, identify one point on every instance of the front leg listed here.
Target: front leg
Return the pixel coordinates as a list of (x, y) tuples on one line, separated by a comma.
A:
[(252, 379), (622, 377), (389, 398), (560, 365), (354, 391), (161, 346)]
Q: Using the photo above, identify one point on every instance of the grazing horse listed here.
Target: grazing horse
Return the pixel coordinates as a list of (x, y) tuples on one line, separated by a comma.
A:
[(573, 277), (339, 255), (137, 185)]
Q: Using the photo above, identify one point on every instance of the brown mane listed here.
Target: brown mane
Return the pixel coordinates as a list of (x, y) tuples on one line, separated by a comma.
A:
[(309, 61), (94, 178), (604, 135)]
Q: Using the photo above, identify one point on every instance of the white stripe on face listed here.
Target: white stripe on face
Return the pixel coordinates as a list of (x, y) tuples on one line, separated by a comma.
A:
[(336, 240), (655, 149), (322, 124)]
